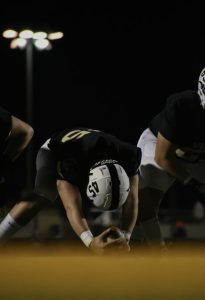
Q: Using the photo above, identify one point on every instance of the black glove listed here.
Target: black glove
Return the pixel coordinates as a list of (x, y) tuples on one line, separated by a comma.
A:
[(197, 189)]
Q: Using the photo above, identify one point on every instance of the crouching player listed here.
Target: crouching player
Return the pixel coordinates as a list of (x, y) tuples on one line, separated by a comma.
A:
[(86, 168)]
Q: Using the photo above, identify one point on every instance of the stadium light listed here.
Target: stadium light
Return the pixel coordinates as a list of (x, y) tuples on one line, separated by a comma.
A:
[(27, 39)]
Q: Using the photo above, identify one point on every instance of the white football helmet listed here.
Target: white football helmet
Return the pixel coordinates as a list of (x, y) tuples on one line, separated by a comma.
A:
[(201, 88), (108, 185)]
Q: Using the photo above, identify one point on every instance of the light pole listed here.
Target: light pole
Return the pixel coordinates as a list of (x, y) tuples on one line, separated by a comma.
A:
[(29, 112), (28, 40)]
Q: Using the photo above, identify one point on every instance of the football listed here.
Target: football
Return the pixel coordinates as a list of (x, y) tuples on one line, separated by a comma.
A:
[(121, 245), (114, 233)]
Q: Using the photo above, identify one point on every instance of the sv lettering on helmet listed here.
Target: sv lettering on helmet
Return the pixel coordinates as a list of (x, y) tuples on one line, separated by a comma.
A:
[(93, 188), (76, 134)]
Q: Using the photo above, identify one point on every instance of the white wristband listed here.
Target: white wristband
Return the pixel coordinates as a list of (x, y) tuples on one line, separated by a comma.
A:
[(86, 237), (127, 235)]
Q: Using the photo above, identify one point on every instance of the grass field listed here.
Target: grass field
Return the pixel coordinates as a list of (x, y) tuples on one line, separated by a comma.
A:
[(34, 271)]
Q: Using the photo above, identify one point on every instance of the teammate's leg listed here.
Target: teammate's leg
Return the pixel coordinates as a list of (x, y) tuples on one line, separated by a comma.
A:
[(153, 183), (45, 191), (149, 202), (20, 215)]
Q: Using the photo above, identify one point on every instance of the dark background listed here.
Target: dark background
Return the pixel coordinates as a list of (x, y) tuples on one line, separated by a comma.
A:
[(113, 70)]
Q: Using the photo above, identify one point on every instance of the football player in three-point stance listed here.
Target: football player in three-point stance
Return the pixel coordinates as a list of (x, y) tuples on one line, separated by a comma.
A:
[(173, 148), (86, 168)]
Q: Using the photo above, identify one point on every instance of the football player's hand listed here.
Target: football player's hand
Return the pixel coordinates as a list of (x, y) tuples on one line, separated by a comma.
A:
[(5, 168), (116, 240), (101, 243)]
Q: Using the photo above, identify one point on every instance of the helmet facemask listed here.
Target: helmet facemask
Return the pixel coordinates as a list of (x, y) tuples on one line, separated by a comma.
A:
[(201, 88)]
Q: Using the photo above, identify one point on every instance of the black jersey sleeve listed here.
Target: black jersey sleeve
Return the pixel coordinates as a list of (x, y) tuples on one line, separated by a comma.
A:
[(66, 170), (71, 171), (131, 159), (135, 162), (169, 124), (177, 116), (176, 119)]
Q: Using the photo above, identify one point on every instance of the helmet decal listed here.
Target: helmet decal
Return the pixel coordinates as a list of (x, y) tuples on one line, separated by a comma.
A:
[(108, 186)]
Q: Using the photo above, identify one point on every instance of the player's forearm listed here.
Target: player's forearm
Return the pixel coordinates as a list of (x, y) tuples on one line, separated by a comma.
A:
[(173, 168), (81, 228), (129, 215), (130, 208), (77, 222), (17, 143), (165, 157)]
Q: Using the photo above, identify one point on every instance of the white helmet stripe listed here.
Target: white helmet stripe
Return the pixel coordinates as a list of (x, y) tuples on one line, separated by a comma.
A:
[(201, 88)]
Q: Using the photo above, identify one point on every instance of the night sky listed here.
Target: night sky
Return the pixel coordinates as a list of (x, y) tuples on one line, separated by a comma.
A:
[(112, 70)]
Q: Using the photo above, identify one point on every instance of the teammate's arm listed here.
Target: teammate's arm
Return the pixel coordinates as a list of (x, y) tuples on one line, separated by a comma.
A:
[(18, 139), (165, 157)]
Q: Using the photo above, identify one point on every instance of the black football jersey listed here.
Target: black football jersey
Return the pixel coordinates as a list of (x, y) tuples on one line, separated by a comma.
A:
[(182, 121), (77, 150), (5, 126)]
